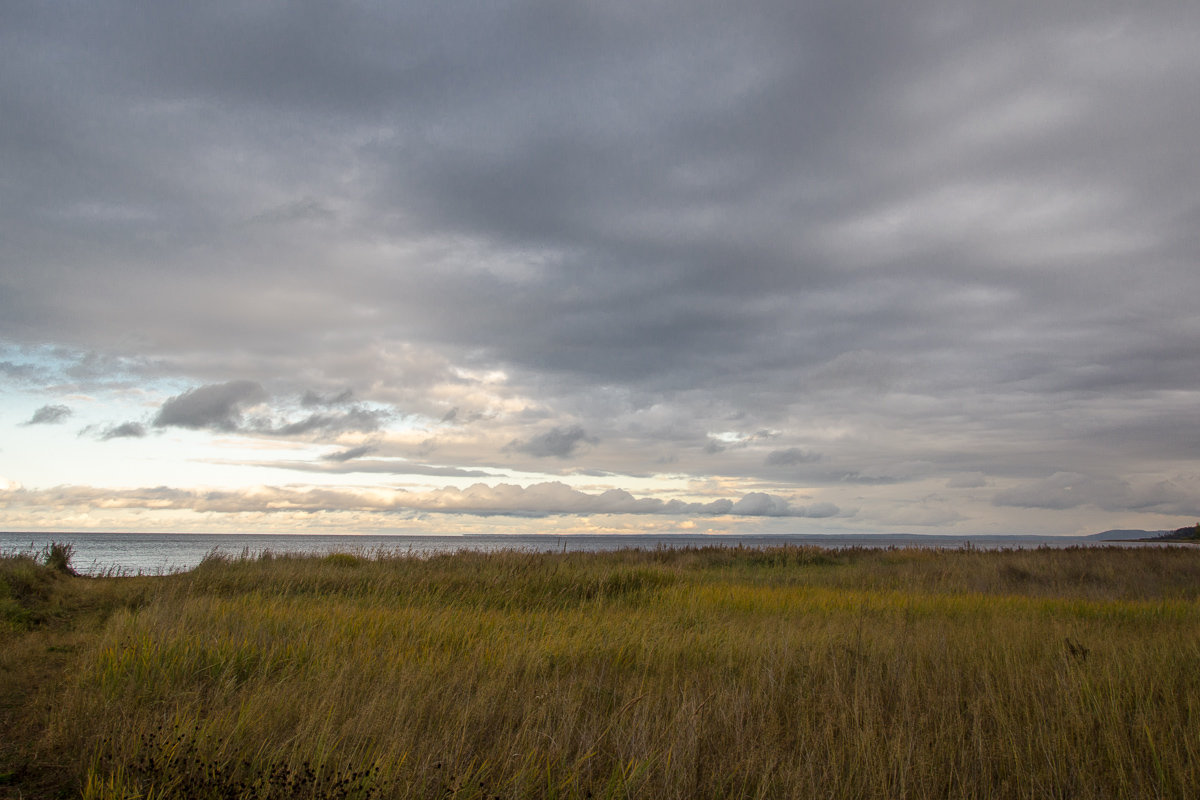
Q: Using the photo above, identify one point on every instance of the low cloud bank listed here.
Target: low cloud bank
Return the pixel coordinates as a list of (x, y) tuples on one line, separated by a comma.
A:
[(541, 499)]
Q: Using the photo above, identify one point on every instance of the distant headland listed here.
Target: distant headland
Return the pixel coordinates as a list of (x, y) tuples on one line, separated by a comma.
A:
[(1188, 533)]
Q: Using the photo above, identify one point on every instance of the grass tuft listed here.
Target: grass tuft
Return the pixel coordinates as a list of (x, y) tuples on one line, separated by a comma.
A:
[(57, 556)]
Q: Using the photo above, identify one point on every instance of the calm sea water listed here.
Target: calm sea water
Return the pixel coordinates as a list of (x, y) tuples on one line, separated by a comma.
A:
[(159, 553)]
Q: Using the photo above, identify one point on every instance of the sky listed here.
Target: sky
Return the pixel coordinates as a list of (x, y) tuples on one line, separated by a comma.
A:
[(600, 267)]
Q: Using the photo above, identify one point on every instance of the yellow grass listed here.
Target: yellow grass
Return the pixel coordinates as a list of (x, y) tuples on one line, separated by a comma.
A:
[(664, 674)]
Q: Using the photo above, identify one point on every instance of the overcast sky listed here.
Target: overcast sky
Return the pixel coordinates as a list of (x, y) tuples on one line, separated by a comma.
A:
[(614, 266)]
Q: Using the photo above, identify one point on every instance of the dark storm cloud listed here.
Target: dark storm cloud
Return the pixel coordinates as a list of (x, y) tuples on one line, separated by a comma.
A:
[(49, 415), (216, 407), (919, 230), (680, 173)]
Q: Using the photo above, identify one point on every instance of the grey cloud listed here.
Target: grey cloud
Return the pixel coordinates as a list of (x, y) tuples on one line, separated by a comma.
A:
[(1068, 490), (351, 453), (791, 457), (20, 372), (311, 399), (761, 504), (557, 442), (356, 420), (126, 430), (593, 473), (1061, 490), (220, 407), (363, 466), (821, 510), (49, 415), (968, 480), (69, 369), (216, 406), (922, 513), (856, 477), (409, 468), (307, 209)]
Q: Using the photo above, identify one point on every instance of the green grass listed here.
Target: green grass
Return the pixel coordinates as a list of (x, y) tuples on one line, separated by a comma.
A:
[(792, 672)]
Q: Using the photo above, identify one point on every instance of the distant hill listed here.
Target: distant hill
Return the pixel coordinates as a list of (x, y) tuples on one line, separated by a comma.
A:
[(1188, 533), (1185, 534), (1125, 535)]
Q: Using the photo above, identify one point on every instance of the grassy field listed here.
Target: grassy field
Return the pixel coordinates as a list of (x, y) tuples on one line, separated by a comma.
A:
[(792, 672)]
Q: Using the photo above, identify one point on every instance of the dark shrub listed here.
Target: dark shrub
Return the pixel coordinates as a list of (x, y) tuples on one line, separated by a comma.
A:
[(57, 556)]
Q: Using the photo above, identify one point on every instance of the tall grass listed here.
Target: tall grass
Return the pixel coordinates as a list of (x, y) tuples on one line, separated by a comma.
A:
[(668, 674)]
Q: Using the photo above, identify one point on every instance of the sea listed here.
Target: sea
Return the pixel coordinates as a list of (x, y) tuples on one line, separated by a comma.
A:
[(166, 553)]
